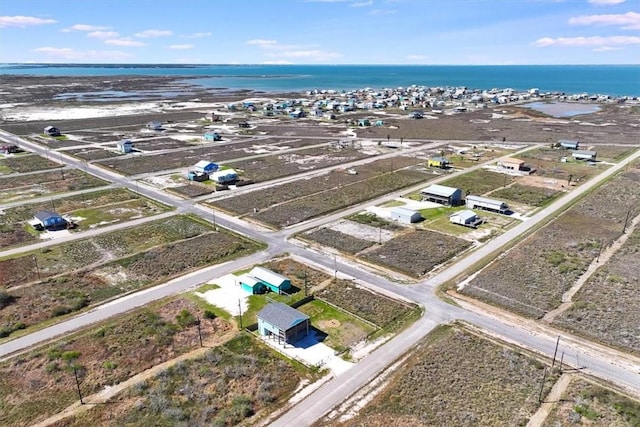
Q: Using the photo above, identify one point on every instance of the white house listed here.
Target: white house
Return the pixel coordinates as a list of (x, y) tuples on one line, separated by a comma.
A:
[(467, 218), (405, 215)]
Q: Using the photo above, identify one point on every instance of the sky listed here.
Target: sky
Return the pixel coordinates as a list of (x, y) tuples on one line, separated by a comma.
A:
[(421, 32)]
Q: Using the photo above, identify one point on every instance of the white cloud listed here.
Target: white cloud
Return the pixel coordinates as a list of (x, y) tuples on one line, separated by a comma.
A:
[(68, 54), (606, 49), (605, 2), (103, 34), (23, 21), (197, 35), (124, 42), (180, 46), (595, 41), (262, 42), (147, 34), (417, 57), (628, 21), (314, 55), (84, 27), (362, 4)]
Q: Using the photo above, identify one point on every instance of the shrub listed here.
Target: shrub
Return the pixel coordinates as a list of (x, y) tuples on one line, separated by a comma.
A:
[(6, 299), (71, 355), (209, 314), (186, 319), (109, 365), (61, 310)]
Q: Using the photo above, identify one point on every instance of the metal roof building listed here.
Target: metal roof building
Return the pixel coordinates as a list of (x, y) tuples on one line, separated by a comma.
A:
[(405, 215), (442, 194), (569, 144), (279, 321), (478, 202), (274, 281), (584, 155), (466, 218)]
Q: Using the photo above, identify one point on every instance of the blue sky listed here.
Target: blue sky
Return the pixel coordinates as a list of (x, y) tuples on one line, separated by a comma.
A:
[(466, 32)]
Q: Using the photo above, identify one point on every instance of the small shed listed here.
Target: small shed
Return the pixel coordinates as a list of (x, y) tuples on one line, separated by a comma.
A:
[(251, 284), (467, 218), (273, 281), (52, 131), (49, 220), (405, 215), (478, 202), (438, 162), (296, 114), (279, 321), (197, 176), (225, 176), (153, 125), (212, 136), (569, 144), (125, 146), (511, 164), (442, 194), (205, 166), (584, 155), (364, 122)]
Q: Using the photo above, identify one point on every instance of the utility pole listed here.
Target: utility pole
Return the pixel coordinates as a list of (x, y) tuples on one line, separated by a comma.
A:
[(626, 221), (555, 352), (35, 262), (561, 360), (600, 250), (75, 374), (240, 311), (335, 268), (199, 331), (213, 215), (544, 376), (380, 234)]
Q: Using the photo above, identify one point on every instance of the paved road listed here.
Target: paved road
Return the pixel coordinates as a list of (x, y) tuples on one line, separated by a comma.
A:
[(593, 361)]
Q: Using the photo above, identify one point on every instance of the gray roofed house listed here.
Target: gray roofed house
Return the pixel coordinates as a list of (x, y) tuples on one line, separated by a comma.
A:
[(279, 321)]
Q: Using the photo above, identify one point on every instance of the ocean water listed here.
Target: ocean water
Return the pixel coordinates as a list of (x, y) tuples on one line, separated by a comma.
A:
[(614, 80)]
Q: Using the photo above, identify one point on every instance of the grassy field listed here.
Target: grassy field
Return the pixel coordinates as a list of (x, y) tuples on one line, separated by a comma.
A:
[(585, 403), (237, 383), (605, 308), (479, 182), (456, 378), (25, 163), (39, 384), (416, 252), (531, 278), (120, 262), (17, 188), (527, 195)]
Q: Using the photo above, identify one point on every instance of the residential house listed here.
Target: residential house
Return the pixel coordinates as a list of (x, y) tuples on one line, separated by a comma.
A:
[(279, 321), (124, 146), (205, 166), (52, 131), (511, 164), (224, 176), (49, 220), (466, 218), (478, 202), (444, 195), (153, 125), (212, 136), (438, 162)]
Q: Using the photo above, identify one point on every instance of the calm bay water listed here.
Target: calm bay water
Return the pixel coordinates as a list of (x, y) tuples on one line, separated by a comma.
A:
[(614, 80)]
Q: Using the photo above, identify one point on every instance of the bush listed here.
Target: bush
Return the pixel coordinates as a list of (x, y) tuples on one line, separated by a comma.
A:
[(6, 299), (109, 365), (71, 355), (209, 314), (186, 319), (61, 310)]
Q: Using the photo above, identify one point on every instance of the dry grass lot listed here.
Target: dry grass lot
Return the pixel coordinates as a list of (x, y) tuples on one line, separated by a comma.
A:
[(531, 278), (39, 384), (606, 307), (25, 163), (237, 383), (585, 403), (416, 252), (15, 188), (456, 378)]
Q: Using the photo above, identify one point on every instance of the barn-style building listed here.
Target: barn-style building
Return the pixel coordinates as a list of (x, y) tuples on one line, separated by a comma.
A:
[(441, 194)]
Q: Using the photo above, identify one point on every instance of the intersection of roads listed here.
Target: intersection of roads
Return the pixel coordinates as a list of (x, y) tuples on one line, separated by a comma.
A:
[(591, 358)]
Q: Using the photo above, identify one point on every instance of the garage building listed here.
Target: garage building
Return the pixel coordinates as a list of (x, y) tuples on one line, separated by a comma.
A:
[(466, 218), (273, 281), (405, 215), (478, 202), (441, 194), (279, 321)]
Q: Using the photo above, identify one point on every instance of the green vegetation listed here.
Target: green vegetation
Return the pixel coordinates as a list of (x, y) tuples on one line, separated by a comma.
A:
[(479, 182), (531, 196)]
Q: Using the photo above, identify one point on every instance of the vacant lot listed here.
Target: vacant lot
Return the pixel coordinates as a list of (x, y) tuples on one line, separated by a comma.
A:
[(39, 384), (456, 378), (89, 210), (587, 404), (94, 153), (479, 182), (14, 188), (341, 241), (134, 165), (605, 308), (525, 194), (25, 163), (547, 162), (173, 247), (304, 208), (237, 383), (416, 252), (387, 313), (531, 278)]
